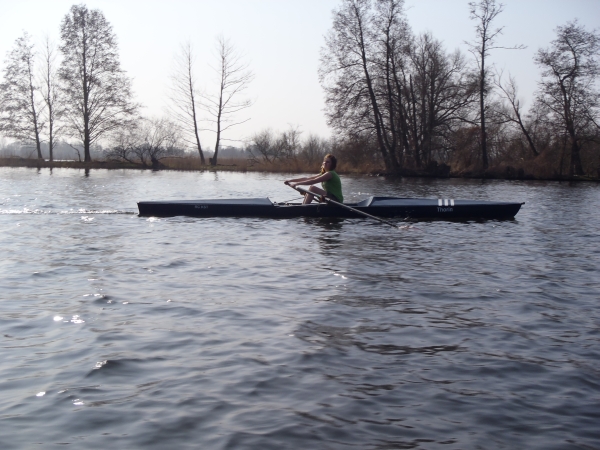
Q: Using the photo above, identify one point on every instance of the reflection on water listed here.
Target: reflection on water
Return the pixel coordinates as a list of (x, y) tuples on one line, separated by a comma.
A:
[(304, 333)]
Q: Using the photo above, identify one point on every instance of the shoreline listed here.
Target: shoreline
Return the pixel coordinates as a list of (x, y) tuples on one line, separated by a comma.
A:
[(442, 171)]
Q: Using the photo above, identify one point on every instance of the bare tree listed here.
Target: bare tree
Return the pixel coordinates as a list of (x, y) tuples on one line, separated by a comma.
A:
[(568, 91), (393, 41), (234, 77), (275, 147), (184, 96), (147, 143), (96, 91), (287, 145), (362, 73), (50, 92), (440, 96), (20, 97), (261, 144), (483, 13), (381, 83), (122, 144), (314, 149), (159, 139), (346, 74), (512, 111)]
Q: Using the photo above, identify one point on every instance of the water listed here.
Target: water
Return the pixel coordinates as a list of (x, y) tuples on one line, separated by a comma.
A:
[(128, 332)]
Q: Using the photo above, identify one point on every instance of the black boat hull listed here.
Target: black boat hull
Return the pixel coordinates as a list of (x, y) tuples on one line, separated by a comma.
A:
[(389, 207)]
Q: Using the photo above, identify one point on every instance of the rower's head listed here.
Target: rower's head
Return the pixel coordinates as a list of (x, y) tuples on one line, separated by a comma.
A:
[(329, 162)]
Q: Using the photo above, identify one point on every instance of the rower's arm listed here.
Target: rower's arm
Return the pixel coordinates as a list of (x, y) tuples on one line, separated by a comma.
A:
[(316, 179), (308, 180), (296, 180)]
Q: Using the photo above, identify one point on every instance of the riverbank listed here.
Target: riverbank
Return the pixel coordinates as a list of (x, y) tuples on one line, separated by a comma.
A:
[(499, 172), (192, 164)]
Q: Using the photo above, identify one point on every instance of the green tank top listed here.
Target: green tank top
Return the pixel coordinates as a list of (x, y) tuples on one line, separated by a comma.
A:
[(334, 185)]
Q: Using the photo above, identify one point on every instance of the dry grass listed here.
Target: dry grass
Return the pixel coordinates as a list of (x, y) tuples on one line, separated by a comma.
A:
[(278, 166), (39, 164)]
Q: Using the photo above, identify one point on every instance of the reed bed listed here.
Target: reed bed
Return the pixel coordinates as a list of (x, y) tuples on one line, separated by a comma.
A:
[(277, 166), (42, 164), (540, 169), (191, 163)]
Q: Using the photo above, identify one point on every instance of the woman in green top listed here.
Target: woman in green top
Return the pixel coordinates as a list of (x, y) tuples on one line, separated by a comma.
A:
[(329, 179)]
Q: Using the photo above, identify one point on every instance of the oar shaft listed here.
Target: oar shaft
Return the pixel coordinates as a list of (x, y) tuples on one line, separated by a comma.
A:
[(357, 211)]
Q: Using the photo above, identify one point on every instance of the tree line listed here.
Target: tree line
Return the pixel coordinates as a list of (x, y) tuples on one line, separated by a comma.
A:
[(78, 91), (419, 105), (392, 98)]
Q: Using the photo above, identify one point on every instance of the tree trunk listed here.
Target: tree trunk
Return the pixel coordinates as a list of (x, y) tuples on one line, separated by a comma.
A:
[(390, 163), (213, 160), (87, 157), (34, 113), (484, 152), (415, 131), (50, 135), (529, 140), (389, 66), (402, 115), (575, 168), (198, 145), (525, 132), (38, 144), (194, 117)]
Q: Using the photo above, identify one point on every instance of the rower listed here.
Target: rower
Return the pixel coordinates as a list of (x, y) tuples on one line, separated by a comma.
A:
[(329, 179)]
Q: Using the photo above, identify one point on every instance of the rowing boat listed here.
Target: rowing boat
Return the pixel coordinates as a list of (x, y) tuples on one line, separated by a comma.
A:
[(406, 208)]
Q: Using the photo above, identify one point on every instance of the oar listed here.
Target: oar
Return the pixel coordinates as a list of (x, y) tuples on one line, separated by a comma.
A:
[(330, 201)]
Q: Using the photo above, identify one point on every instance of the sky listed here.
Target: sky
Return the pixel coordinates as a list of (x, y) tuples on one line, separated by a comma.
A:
[(281, 40)]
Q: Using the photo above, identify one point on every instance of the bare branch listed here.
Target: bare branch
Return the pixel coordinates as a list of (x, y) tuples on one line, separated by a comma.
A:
[(20, 96), (233, 78), (184, 97)]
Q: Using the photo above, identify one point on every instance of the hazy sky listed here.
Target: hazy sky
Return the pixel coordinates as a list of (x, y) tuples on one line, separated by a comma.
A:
[(282, 41)]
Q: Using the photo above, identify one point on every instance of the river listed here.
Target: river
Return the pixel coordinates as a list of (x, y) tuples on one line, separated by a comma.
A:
[(127, 332)]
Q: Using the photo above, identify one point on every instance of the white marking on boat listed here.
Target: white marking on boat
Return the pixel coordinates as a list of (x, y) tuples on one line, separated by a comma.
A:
[(440, 202), (452, 202), (446, 202)]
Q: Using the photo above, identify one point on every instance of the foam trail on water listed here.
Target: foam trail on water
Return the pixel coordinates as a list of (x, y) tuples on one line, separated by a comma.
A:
[(25, 211)]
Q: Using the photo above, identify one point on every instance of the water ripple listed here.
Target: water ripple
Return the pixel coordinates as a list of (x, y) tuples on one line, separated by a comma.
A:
[(250, 333)]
